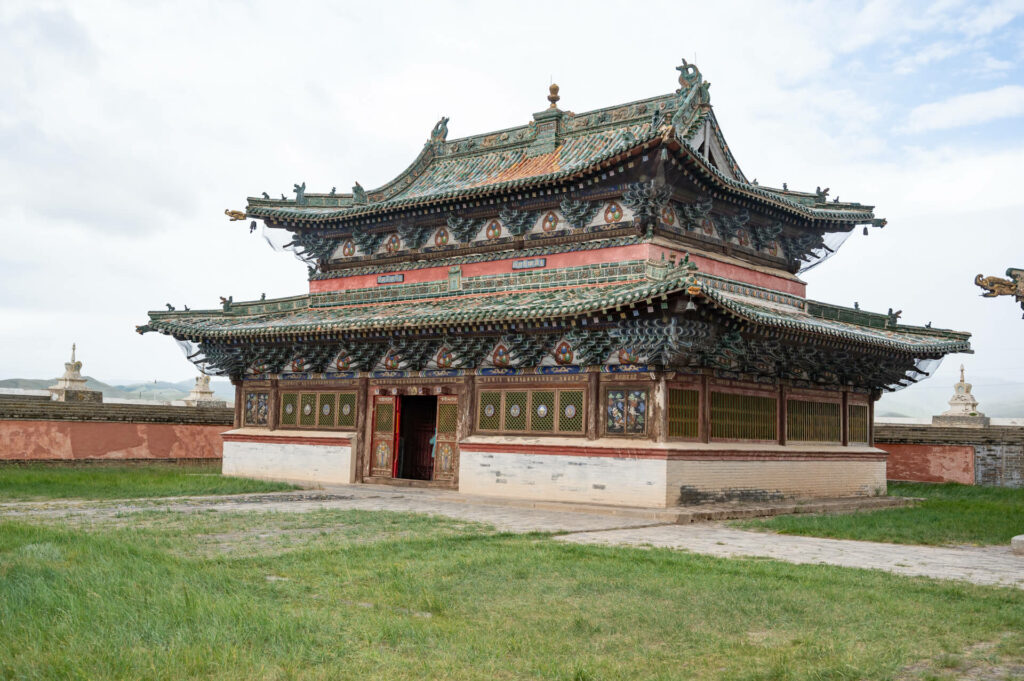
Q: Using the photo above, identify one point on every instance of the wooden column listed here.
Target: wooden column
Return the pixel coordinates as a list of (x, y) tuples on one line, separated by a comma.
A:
[(359, 444), (659, 426), (274, 406), (871, 420), (593, 403), (239, 397), (366, 432)]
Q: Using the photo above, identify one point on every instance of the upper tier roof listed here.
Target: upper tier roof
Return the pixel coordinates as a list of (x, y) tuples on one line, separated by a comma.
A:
[(554, 146)]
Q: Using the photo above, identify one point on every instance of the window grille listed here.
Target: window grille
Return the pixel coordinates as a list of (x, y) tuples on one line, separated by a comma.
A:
[(346, 410), (289, 409), (327, 410), (447, 418), (542, 410), (515, 410), (385, 419), (858, 415), (490, 411), (743, 417), (683, 413), (813, 421), (570, 411), (307, 409)]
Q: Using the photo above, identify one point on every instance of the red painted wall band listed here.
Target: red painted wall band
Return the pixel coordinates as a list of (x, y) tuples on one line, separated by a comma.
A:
[(289, 440)]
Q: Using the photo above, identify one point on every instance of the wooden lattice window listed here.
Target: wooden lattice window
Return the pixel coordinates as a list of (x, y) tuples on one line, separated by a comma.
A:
[(447, 417), (516, 413), (346, 410), (328, 410), (858, 415), (683, 413), (535, 411), (738, 416), (490, 411), (570, 411), (808, 421), (289, 409), (542, 410), (257, 408)]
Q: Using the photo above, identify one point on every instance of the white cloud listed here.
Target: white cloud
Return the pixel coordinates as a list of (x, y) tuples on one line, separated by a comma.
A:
[(970, 109)]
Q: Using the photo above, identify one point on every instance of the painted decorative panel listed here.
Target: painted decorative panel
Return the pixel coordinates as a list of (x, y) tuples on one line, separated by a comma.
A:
[(515, 410), (327, 410), (490, 411), (257, 409), (570, 411), (626, 412), (542, 410), (346, 410), (289, 409), (307, 409)]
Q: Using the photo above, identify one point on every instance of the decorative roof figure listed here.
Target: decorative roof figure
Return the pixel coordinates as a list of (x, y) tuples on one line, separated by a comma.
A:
[(300, 193), (963, 407), (997, 286), (440, 131), (71, 387), (358, 194)]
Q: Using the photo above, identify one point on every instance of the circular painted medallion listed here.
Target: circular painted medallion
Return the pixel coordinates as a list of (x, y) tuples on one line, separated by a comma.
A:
[(550, 223), (563, 353), (668, 215), (348, 249), (493, 230), (289, 409), (514, 411), (325, 409), (343, 363), (542, 410), (307, 409), (441, 238), (489, 410), (393, 243), (346, 409), (613, 212), (569, 411)]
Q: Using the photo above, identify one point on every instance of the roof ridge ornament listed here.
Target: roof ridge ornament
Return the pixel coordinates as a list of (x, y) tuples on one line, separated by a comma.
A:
[(358, 194), (440, 131), (553, 96), (693, 94)]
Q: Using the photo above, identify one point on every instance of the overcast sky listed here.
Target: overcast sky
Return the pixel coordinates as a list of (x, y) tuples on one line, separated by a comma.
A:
[(126, 129)]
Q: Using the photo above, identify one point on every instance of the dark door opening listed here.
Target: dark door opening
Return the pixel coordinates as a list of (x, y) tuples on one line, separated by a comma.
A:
[(415, 437)]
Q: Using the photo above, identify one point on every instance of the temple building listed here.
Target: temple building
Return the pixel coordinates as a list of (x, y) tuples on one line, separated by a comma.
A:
[(595, 307)]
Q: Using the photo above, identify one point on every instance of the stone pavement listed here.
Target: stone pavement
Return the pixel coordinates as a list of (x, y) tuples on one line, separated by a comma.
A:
[(980, 565), (585, 525)]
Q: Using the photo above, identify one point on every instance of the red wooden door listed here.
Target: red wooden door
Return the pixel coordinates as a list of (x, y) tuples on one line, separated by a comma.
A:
[(446, 449), (384, 445)]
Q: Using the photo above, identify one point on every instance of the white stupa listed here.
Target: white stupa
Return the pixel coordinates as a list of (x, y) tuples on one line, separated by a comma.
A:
[(202, 396), (963, 407), (71, 386)]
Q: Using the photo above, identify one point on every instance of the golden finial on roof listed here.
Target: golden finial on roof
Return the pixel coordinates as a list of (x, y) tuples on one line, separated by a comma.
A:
[(553, 97)]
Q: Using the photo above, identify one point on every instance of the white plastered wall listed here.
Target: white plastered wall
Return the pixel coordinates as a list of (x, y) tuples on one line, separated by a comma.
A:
[(291, 461)]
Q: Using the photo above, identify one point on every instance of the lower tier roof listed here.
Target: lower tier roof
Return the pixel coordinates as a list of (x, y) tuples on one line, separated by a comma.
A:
[(756, 307)]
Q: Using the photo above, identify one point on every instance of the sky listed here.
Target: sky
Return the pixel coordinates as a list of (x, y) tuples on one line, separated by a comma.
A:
[(126, 130)]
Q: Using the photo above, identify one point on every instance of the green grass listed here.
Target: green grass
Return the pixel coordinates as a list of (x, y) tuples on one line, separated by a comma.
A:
[(950, 514), (41, 481), (361, 595)]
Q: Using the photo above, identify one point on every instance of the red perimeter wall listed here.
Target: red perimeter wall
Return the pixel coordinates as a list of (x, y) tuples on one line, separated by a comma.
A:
[(76, 440), (929, 463)]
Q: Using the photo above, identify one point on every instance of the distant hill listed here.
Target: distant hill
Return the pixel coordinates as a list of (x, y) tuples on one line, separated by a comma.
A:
[(151, 390)]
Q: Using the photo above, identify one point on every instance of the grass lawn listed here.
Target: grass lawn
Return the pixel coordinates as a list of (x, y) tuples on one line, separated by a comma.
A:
[(361, 595), (40, 481), (950, 514)]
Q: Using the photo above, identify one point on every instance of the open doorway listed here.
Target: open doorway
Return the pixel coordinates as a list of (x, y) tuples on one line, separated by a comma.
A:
[(416, 434)]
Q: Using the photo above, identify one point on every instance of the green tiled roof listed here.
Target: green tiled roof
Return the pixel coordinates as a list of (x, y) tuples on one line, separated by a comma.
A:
[(760, 307), (508, 160), (832, 321)]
